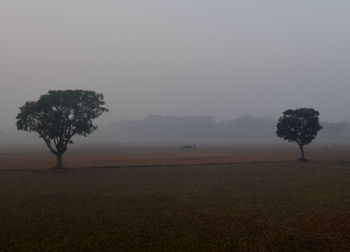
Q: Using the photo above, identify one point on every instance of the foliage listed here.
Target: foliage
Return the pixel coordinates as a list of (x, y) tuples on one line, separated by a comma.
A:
[(61, 114), (299, 125)]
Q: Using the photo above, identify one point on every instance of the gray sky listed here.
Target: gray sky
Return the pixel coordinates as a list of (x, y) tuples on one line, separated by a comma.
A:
[(222, 58)]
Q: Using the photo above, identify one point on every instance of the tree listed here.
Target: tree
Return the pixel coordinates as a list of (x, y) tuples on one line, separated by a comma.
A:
[(300, 126), (59, 115)]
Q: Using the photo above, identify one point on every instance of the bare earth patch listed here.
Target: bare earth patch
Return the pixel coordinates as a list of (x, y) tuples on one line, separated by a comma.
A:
[(251, 204)]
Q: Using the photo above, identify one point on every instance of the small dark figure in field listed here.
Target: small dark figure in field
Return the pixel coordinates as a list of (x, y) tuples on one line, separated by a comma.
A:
[(60, 115), (300, 126), (188, 147)]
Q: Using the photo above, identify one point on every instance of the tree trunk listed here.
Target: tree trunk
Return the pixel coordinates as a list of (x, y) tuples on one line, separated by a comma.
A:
[(59, 164), (302, 153)]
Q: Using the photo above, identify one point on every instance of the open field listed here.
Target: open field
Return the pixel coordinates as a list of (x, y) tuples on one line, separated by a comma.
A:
[(258, 199), (84, 156)]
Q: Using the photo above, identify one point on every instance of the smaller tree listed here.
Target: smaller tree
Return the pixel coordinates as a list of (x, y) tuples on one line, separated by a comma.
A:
[(300, 126), (59, 115)]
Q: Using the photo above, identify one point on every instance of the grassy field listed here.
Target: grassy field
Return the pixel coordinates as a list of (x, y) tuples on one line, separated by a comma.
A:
[(86, 156), (247, 204)]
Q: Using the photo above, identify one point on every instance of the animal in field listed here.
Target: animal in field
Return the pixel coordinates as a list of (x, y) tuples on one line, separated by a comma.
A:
[(188, 147)]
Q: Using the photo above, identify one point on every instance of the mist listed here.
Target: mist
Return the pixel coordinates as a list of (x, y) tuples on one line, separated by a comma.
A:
[(221, 58), (156, 129)]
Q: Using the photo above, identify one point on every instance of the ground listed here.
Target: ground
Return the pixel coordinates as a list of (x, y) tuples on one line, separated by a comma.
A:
[(222, 198)]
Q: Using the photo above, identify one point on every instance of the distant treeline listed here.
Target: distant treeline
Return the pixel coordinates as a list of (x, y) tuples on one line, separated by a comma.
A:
[(173, 128), (188, 129), (205, 129)]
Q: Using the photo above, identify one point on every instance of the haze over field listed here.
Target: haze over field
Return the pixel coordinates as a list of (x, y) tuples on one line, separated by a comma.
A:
[(224, 125), (188, 130), (222, 58)]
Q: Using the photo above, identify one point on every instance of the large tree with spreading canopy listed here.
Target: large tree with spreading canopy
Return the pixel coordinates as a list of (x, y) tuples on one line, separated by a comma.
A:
[(59, 115)]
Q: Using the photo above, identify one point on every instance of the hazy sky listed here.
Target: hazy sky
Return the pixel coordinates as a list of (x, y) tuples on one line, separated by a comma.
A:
[(222, 58)]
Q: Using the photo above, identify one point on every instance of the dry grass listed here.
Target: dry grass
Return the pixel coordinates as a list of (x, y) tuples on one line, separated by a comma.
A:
[(269, 206), (38, 157)]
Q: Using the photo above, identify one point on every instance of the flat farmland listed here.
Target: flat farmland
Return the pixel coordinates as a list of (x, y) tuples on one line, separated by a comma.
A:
[(25, 157), (156, 198)]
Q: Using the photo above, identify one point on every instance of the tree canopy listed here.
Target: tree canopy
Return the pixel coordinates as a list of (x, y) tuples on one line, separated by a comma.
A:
[(59, 115), (300, 126)]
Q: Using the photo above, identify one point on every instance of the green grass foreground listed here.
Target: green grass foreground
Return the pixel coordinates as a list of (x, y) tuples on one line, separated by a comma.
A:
[(287, 206)]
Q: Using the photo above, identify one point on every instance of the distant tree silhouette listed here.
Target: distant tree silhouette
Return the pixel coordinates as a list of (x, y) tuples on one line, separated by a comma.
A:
[(300, 126), (59, 115), (335, 128)]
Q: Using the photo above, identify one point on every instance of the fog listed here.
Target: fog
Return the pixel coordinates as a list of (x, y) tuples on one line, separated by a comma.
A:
[(222, 58), (188, 130)]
